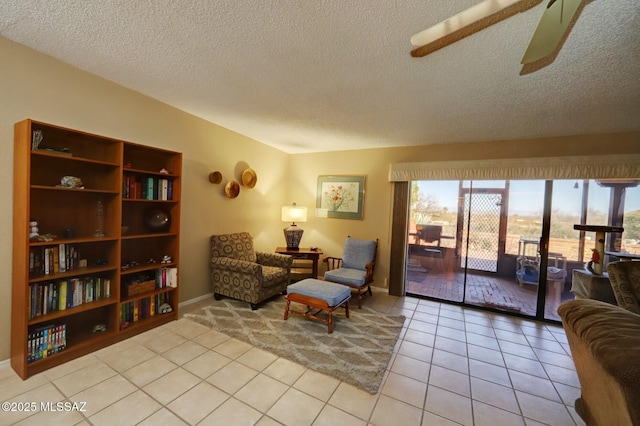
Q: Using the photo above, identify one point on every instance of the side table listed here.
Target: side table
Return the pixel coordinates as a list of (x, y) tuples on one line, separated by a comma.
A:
[(309, 267)]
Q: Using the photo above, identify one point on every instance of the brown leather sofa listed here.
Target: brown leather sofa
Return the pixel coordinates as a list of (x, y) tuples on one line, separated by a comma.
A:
[(605, 345)]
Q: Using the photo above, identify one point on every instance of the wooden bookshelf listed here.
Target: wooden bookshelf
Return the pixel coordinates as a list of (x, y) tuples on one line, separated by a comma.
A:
[(93, 255)]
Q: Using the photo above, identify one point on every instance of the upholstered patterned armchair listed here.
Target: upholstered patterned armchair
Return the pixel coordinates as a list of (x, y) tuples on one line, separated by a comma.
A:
[(355, 267), (625, 282), (239, 272)]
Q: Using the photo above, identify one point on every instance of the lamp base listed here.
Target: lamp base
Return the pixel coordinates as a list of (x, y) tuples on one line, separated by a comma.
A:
[(293, 235)]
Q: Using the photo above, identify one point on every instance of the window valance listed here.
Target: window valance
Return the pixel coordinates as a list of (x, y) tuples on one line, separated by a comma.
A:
[(575, 167)]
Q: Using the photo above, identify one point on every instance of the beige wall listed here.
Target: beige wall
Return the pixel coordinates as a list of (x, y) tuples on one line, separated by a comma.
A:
[(329, 234), (35, 86)]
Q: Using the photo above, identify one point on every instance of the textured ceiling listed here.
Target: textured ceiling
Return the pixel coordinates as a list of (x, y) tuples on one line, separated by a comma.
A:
[(309, 76)]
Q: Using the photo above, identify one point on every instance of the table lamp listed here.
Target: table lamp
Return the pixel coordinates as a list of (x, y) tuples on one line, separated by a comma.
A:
[(293, 234)]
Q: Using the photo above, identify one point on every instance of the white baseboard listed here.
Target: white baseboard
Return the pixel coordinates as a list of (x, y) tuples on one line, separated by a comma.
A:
[(5, 363), (195, 300)]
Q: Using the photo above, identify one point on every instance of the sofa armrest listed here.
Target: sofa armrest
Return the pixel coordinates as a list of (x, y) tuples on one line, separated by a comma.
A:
[(274, 259), (237, 266), (605, 346)]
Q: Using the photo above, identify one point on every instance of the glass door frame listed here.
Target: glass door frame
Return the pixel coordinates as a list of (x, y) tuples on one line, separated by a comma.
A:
[(460, 240)]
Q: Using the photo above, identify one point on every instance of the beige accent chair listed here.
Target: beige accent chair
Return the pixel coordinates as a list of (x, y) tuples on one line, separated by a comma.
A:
[(240, 272)]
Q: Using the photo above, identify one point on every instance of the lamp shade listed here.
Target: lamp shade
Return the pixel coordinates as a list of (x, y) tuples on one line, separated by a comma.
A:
[(294, 214), (293, 234)]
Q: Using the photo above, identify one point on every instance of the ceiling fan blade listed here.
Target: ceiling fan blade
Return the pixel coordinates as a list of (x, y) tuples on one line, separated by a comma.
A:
[(467, 22), (553, 24)]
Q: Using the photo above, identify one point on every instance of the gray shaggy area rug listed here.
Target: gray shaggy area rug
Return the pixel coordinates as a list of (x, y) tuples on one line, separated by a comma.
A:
[(357, 352)]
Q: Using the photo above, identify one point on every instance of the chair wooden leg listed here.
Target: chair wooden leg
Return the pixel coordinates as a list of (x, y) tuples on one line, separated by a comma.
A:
[(346, 309), (330, 322)]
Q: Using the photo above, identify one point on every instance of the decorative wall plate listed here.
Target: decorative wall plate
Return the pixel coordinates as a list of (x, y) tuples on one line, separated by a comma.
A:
[(215, 177), (249, 178), (232, 189)]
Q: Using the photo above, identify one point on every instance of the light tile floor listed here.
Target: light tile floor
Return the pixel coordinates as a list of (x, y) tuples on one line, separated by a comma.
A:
[(452, 365)]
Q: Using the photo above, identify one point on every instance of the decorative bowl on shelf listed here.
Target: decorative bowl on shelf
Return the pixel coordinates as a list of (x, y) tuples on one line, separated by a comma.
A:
[(157, 220)]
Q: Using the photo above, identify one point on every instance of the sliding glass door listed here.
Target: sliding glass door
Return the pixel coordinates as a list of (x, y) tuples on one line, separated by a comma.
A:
[(511, 245)]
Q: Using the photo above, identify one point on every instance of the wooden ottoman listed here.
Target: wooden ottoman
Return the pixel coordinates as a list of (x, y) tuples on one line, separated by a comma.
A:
[(318, 295)]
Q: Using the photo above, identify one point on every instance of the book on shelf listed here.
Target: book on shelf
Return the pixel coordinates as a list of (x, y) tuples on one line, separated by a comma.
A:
[(167, 277), (138, 310), (147, 188), (54, 259), (46, 341), (65, 294)]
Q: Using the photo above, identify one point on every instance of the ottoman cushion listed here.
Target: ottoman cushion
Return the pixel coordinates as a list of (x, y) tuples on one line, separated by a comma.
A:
[(331, 293)]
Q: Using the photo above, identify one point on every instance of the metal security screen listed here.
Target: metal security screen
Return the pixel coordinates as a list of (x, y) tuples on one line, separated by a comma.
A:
[(481, 225)]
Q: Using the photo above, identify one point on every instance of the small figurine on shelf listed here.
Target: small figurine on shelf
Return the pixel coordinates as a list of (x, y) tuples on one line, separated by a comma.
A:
[(33, 229), (165, 308), (595, 259), (166, 259)]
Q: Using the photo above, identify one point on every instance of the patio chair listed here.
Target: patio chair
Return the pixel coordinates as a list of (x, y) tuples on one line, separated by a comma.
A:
[(432, 234), (355, 267)]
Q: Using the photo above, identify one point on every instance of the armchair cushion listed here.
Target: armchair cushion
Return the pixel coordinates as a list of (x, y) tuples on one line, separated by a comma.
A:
[(357, 253), (235, 246), (348, 276)]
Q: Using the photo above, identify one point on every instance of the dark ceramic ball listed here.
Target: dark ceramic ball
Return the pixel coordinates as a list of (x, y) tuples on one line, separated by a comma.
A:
[(157, 220)]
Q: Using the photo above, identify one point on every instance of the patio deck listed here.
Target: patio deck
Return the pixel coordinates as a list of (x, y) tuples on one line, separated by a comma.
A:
[(484, 290)]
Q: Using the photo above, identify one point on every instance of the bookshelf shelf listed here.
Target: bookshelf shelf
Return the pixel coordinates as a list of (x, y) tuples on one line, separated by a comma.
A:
[(85, 190), (80, 272), (56, 157), (72, 311), (69, 292), (72, 241), (146, 295)]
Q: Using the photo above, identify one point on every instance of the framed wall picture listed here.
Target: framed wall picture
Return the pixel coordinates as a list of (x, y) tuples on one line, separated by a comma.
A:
[(340, 197)]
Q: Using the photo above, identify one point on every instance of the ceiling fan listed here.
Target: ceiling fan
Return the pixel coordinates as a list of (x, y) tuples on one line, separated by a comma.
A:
[(552, 27)]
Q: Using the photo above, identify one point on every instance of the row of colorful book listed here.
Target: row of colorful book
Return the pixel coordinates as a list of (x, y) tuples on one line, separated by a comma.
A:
[(167, 277), (52, 260), (65, 294), (147, 188), (45, 341), (140, 309)]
